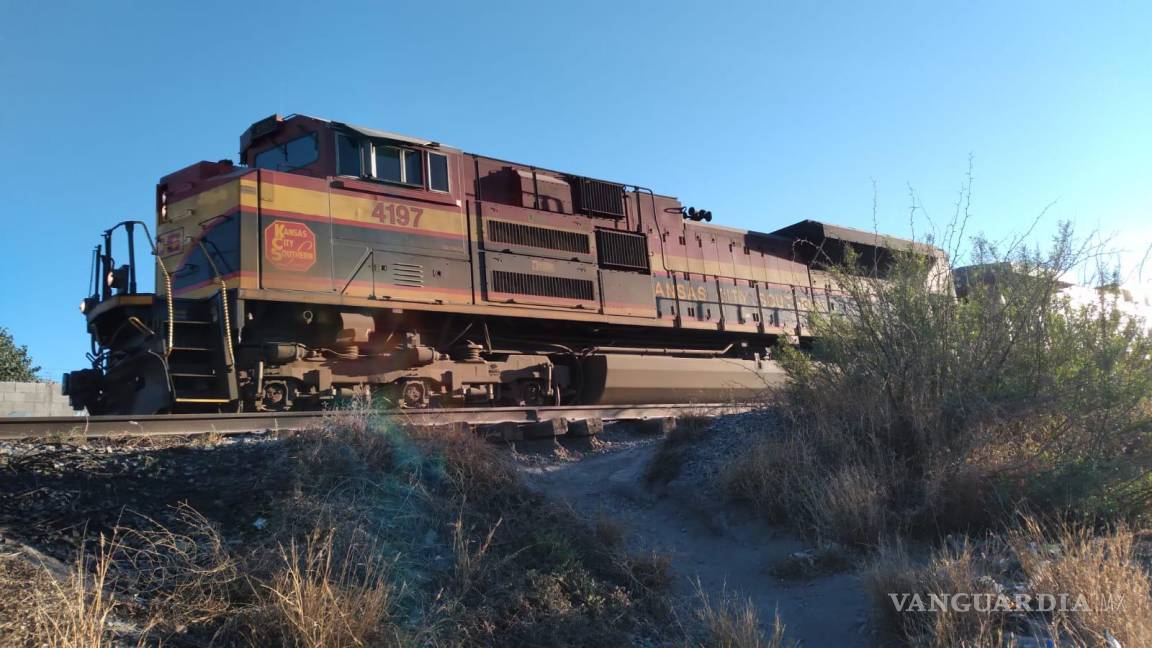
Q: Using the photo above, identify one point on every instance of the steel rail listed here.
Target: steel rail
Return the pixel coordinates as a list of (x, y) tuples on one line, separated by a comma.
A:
[(188, 424)]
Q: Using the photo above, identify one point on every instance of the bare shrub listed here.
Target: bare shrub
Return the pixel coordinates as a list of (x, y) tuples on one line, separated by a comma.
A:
[(186, 575), (919, 411)]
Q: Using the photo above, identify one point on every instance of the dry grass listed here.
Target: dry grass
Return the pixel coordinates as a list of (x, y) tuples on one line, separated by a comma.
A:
[(470, 553), (761, 476), (949, 572), (849, 507), (349, 445), (673, 452), (75, 437), (208, 439), (732, 623), (20, 582), (609, 530), (653, 570), (76, 613), (369, 536), (1101, 568), (1093, 580), (328, 598), (187, 576)]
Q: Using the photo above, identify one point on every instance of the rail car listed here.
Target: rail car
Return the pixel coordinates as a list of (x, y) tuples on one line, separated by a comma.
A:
[(336, 258)]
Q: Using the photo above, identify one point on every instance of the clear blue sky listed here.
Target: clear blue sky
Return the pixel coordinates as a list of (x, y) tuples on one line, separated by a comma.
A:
[(763, 112)]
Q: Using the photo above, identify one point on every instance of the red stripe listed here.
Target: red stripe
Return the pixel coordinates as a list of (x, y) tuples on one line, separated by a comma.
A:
[(201, 284)]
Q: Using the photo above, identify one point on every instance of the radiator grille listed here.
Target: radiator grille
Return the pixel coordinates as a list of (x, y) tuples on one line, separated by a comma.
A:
[(598, 197), (541, 237), (622, 250), (541, 285)]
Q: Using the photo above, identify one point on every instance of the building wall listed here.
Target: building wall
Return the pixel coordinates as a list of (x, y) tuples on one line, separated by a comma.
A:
[(33, 399)]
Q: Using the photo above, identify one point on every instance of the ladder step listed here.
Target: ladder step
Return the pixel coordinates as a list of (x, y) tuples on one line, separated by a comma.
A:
[(190, 374), (194, 322), (189, 348), (202, 400)]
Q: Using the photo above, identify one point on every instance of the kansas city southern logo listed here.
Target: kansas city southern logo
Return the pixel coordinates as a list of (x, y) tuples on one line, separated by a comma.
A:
[(171, 242), (290, 246)]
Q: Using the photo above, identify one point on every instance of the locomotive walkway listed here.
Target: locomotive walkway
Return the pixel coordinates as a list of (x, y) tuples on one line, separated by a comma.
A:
[(546, 421)]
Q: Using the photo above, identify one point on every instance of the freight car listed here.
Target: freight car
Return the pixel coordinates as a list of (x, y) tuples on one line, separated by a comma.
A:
[(336, 257)]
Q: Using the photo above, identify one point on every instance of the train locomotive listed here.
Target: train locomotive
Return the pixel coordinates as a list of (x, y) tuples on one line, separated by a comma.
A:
[(337, 259)]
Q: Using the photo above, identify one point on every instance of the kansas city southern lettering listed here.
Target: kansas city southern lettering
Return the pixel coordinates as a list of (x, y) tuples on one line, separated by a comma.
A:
[(693, 291), (680, 291), (771, 295), (290, 246)]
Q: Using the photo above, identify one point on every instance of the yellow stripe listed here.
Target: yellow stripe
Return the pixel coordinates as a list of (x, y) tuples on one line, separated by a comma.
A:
[(360, 210), (796, 275), (343, 208), (203, 206)]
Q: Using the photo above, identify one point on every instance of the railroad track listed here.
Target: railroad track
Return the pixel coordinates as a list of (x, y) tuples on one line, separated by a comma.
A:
[(550, 420)]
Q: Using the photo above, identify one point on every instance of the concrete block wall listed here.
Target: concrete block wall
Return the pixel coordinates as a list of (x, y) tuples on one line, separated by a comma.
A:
[(33, 399)]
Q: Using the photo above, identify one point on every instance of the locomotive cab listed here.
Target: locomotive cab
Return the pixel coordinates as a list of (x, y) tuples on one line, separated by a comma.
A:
[(306, 146)]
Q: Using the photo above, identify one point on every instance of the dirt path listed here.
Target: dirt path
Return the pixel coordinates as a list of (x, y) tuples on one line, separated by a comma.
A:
[(725, 550)]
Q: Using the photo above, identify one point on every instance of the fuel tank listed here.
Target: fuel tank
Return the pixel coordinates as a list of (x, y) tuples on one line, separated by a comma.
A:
[(622, 379)]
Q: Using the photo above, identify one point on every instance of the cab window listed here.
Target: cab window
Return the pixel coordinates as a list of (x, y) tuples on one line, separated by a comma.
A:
[(388, 164), (348, 160), (290, 155), (437, 172), (395, 164)]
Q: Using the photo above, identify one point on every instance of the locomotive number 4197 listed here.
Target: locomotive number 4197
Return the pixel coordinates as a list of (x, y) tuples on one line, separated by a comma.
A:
[(396, 214)]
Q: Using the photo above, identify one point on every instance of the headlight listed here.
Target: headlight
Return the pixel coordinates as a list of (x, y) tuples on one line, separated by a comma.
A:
[(83, 306), (118, 278)]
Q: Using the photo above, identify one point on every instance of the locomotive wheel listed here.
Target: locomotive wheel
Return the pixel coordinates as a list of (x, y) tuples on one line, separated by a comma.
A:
[(275, 398), (532, 393), (413, 394)]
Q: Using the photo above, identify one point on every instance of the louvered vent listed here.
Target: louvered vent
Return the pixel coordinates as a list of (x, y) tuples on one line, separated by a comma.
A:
[(408, 274), (622, 250), (541, 237), (598, 198), (541, 285)]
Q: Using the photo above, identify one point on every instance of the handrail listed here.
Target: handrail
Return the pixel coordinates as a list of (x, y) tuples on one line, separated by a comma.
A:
[(102, 265), (224, 302)]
